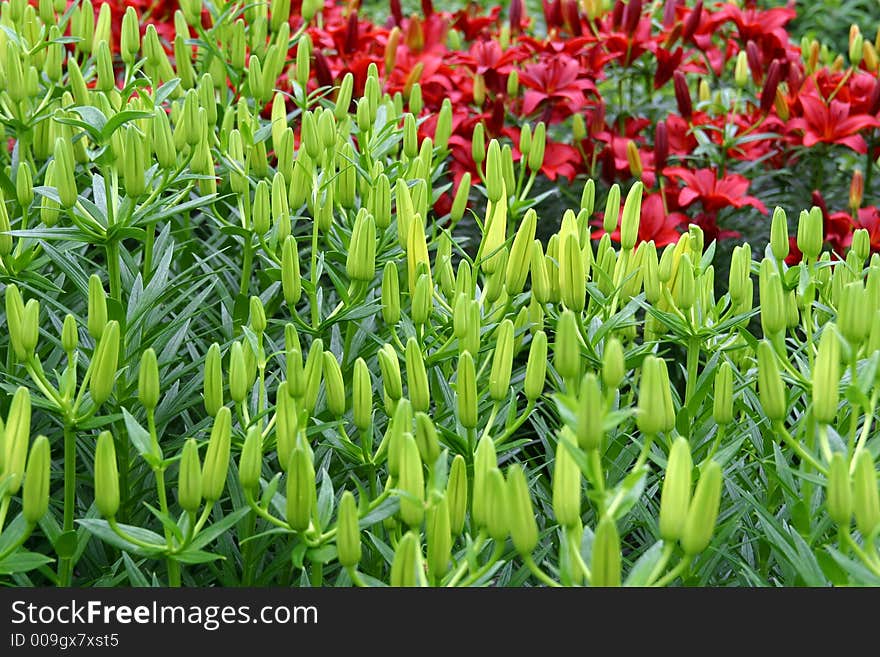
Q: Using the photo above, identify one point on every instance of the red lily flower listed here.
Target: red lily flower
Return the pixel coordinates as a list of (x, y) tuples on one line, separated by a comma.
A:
[(869, 219), (713, 193), (831, 124), (556, 86)]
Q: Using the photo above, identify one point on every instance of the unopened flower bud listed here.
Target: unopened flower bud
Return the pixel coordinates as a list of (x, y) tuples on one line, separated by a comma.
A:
[(770, 389), (779, 234), (566, 485), (407, 563), (348, 533), (703, 512), (106, 476), (15, 442), (866, 499), (612, 209), (457, 494), (655, 410), (810, 233), (466, 391), (362, 395), (97, 307), (536, 154), (212, 390), (520, 253), (301, 496), (334, 385), (35, 494), (389, 365), (250, 463), (605, 566), (148, 380), (852, 319), (502, 361), (839, 491), (459, 202), (826, 377), (485, 460), (104, 365), (536, 366), (566, 348), (629, 223), (217, 457), (411, 482), (237, 373), (590, 413)]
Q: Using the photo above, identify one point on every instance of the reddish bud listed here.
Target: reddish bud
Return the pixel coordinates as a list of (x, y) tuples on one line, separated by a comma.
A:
[(692, 22), (516, 16), (683, 95), (631, 15), (661, 147), (768, 93), (756, 65)]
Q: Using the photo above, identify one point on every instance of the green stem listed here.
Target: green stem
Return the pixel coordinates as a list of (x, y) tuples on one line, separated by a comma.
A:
[(693, 362), (668, 548), (675, 572), (149, 240), (797, 448), (482, 570), (65, 566), (543, 577), (4, 508), (113, 268), (356, 578)]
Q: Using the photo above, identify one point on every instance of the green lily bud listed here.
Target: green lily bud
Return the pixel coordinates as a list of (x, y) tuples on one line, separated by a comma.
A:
[(866, 500), (521, 515), (426, 438), (485, 460), (257, 315), (772, 301), (261, 211), (407, 563), (520, 253), (163, 140), (389, 365), (343, 97), (416, 376), (334, 385), (861, 245), (496, 520), (390, 294), (536, 367), (443, 128), (105, 360), (590, 413), (35, 494), (69, 334), (312, 373), (741, 70), (572, 278), (422, 302), (703, 512), (439, 538), (130, 36), (722, 405), (613, 365), (361, 261), (24, 185), (189, 479), (348, 533), (459, 202), (536, 154), (102, 26), (250, 463), (684, 292), (655, 410), (739, 274), (380, 201), (15, 320), (63, 174), (538, 269), (417, 252), (106, 476), (826, 377), (675, 497), (362, 395), (612, 209), (588, 198), (29, 333), (291, 282), (779, 234), (411, 482), (286, 423), (5, 226), (212, 390), (410, 136), (566, 348), (401, 422), (605, 566), (810, 233), (97, 307), (300, 490), (237, 374), (839, 491), (665, 268), (148, 380), (104, 65), (16, 435), (217, 457), (502, 361), (770, 388), (494, 236), (494, 176), (566, 484), (466, 391), (629, 223), (478, 144), (854, 322), (457, 494)]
